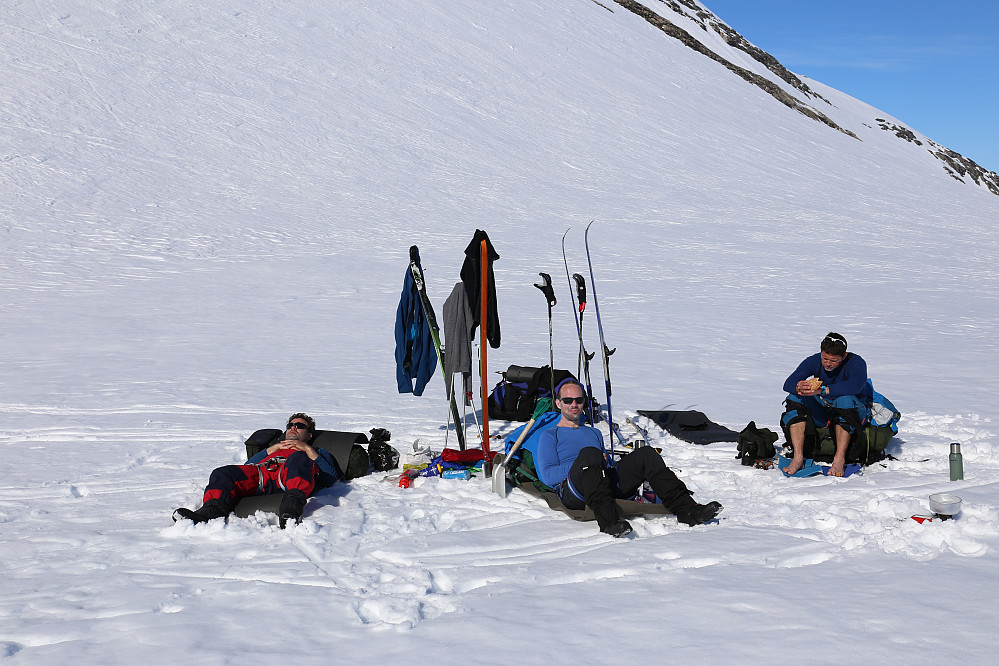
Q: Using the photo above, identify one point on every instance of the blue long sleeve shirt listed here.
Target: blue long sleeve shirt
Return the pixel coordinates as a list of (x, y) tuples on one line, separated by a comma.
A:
[(559, 447), (849, 378)]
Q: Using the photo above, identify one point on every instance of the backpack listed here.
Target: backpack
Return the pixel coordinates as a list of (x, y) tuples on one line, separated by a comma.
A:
[(516, 395), (383, 456), (521, 468), (756, 444)]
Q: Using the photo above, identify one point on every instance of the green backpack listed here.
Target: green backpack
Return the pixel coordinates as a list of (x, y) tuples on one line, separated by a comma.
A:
[(870, 442)]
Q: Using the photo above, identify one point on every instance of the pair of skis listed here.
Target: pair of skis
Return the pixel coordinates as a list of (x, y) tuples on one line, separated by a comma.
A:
[(416, 270), (584, 357)]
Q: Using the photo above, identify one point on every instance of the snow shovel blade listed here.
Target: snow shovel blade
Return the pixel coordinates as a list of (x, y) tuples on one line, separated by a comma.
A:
[(499, 475)]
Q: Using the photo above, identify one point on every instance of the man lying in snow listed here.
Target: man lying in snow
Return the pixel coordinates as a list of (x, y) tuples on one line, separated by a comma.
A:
[(571, 459), (291, 466), (830, 388)]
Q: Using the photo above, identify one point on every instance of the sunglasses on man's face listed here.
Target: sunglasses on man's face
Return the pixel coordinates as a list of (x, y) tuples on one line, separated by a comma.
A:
[(298, 426), (570, 401)]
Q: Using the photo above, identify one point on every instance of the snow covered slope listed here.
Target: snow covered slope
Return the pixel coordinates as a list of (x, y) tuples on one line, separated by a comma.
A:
[(205, 213)]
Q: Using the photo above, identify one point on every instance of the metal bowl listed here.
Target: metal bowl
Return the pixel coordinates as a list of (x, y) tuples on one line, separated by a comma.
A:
[(945, 504)]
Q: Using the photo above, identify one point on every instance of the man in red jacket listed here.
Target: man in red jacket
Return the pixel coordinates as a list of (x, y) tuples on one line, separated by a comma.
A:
[(290, 466)]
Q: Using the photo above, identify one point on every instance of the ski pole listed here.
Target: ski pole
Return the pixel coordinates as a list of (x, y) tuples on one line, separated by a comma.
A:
[(586, 357), (546, 289)]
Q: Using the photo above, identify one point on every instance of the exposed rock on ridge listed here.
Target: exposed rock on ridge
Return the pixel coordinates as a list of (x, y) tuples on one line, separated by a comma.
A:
[(768, 86), (955, 164)]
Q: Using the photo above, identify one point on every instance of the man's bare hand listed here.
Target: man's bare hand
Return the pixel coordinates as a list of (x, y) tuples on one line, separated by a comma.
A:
[(295, 445), (807, 388)]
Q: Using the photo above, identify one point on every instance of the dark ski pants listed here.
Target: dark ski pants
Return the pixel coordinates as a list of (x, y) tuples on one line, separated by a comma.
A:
[(274, 474), (846, 411), (591, 482)]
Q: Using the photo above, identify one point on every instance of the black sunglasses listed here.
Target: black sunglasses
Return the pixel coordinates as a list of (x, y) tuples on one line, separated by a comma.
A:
[(298, 426), (569, 401)]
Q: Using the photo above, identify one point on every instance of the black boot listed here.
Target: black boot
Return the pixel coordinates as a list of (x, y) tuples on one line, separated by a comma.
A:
[(698, 513), (211, 509), (675, 495), (292, 507), (619, 528)]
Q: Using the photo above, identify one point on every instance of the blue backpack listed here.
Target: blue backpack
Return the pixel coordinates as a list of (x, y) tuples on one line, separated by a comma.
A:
[(883, 412)]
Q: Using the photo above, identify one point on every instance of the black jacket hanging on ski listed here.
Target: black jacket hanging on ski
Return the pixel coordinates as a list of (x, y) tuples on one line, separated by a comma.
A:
[(471, 277)]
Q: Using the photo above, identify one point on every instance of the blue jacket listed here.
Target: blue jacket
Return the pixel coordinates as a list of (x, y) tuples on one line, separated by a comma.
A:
[(559, 447), (415, 355), (850, 378)]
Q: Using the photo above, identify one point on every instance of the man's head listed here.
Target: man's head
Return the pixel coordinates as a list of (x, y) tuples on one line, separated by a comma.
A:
[(569, 397), (833, 349), (300, 427)]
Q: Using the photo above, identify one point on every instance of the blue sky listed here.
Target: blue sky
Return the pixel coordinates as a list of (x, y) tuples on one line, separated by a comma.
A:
[(932, 65)]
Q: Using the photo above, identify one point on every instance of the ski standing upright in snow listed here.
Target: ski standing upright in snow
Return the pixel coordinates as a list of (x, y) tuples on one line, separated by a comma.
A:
[(579, 305), (604, 351), (428, 310)]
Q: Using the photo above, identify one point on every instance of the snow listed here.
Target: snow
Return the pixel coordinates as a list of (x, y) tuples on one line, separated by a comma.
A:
[(206, 213)]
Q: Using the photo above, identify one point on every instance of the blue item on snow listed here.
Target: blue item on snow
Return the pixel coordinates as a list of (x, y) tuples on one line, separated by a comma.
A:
[(530, 443), (811, 468)]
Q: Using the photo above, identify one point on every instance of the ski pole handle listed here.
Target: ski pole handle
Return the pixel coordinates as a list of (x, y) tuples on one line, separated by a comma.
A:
[(546, 288), (580, 290)]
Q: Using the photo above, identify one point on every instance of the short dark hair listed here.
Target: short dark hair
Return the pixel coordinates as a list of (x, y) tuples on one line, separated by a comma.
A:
[(569, 380), (834, 344), (306, 418)]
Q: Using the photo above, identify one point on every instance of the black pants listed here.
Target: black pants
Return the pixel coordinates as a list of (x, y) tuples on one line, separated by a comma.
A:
[(597, 483)]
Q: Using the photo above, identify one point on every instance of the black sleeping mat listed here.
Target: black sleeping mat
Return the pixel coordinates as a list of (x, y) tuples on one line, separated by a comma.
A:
[(691, 426)]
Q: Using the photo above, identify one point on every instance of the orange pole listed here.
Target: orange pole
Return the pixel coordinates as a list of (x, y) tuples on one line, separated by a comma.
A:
[(482, 337)]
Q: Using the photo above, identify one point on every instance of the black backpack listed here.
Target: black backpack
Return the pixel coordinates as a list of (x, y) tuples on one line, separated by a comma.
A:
[(383, 456), (515, 397), (756, 444)]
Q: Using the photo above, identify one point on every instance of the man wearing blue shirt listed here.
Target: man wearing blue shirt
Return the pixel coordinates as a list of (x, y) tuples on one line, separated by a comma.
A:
[(571, 459), (827, 389), (291, 466)]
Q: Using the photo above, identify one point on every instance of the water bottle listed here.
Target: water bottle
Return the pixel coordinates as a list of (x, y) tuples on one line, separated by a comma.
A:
[(956, 462)]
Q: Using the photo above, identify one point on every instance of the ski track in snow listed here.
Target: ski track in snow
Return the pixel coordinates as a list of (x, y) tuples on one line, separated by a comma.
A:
[(398, 557)]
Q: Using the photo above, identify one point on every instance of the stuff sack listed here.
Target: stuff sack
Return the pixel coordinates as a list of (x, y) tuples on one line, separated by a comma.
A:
[(382, 455), (515, 397), (756, 444)]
